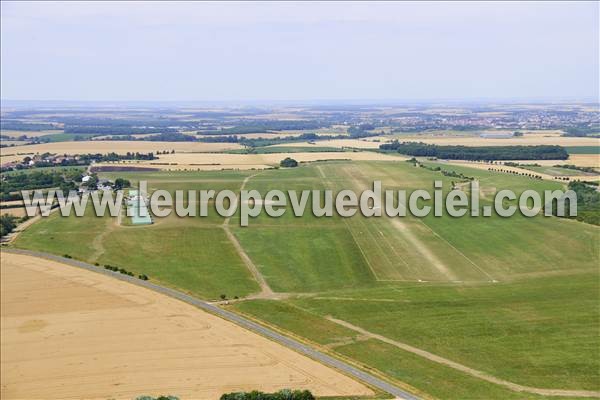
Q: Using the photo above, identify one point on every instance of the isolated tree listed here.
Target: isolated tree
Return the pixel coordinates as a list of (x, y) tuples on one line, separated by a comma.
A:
[(288, 163), (121, 183)]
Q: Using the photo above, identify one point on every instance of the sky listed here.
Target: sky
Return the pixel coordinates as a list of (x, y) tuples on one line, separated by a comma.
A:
[(234, 51)]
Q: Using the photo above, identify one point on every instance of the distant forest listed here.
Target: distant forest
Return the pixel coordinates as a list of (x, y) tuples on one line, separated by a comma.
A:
[(480, 153), (14, 125), (242, 127), (582, 131), (114, 130)]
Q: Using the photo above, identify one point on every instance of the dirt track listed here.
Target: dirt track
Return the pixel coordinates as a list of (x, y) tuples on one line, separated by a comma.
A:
[(70, 333)]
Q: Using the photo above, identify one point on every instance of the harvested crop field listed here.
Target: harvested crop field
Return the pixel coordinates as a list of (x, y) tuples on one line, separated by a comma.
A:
[(340, 143), (17, 211), (580, 160), (70, 333), (209, 161), (121, 147), (583, 160), (541, 172)]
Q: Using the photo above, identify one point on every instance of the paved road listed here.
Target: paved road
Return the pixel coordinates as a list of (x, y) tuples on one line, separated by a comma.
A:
[(235, 318)]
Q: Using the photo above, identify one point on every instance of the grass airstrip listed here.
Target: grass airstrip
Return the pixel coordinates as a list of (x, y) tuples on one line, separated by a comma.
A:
[(516, 298)]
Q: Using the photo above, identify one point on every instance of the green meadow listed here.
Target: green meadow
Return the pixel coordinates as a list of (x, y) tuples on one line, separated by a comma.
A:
[(516, 298), (583, 149)]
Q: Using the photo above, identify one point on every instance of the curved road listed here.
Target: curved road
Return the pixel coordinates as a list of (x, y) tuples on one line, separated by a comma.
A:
[(239, 320)]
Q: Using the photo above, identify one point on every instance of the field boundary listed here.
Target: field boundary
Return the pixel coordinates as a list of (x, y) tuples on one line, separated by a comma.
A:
[(463, 368), (252, 326)]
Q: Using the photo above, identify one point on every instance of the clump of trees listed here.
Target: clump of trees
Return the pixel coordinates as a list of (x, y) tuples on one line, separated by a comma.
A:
[(362, 130), (8, 223), (479, 153), (588, 202), (121, 183), (98, 157), (12, 184), (285, 394), (288, 163)]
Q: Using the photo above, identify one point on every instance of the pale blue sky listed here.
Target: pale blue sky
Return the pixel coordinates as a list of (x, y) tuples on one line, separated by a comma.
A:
[(299, 51)]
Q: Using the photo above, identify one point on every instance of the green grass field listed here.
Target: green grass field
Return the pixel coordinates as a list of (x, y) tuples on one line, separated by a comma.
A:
[(192, 254), (68, 137), (558, 171), (517, 298), (583, 149)]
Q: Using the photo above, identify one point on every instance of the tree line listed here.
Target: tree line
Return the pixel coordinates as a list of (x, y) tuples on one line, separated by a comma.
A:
[(115, 130), (285, 394), (477, 153), (16, 125), (584, 130)]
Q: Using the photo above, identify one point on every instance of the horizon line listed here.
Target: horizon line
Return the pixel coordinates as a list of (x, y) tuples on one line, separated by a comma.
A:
[(313, 101)]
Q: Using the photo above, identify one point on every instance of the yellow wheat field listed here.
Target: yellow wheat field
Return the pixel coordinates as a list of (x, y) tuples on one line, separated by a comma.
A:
[(74, 334), (17, 153), (207, 161)]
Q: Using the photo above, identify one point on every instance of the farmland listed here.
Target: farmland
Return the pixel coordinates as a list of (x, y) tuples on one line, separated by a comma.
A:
[(210, 161), (84, 147), (579, 144), (514, 298), (273, 200), (44, 330)]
